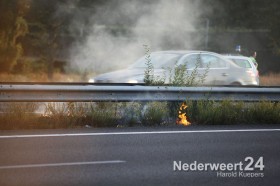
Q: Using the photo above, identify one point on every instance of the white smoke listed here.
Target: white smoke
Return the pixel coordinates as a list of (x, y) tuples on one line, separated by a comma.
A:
[(161, 24)]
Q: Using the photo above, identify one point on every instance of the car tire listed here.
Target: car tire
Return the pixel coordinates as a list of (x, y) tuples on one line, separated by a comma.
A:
[(237, 84)]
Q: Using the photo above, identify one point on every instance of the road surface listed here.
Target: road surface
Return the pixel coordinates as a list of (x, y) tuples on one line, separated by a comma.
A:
[(138, 156)]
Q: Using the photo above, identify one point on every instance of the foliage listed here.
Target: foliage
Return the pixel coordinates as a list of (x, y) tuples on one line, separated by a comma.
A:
[(149, 71), (53, 22), (103, 115), (178, 76), (228, 112), (130, 113), (154, 113), (17, 115), (59, 115), (13, 26), (249, 14), (69, 115), (49, 28)]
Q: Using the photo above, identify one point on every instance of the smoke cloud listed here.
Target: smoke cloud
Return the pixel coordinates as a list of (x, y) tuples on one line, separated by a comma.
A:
[(113, 34)]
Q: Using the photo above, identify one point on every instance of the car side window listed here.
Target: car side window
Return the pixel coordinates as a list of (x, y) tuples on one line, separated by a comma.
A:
[(242, 63), (192, 61), (210, 61)]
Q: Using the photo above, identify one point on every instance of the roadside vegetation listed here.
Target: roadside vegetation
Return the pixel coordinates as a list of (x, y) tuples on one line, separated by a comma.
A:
[(128, 114), (86, 115), (229, 112), (42, 77), (271, 79), (179, 76)]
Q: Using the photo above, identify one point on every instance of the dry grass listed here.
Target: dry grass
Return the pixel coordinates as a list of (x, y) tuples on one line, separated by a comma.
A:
[(40, 77), (112, 114), (270, 80)]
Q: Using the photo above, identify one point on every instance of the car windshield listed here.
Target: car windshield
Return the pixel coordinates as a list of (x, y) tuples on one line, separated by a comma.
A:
[(244, 63), (158, 61)]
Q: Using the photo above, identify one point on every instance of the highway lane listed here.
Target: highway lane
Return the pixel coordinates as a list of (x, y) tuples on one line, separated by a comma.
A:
[(136, 156)]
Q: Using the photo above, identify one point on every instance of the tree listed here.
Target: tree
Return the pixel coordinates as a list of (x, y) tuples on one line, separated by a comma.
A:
[(50, 19), (274, 25), (12, 27), (247, 14)]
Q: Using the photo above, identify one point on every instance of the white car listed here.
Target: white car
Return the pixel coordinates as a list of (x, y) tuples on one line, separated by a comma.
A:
[(250, 65), (220, 70)]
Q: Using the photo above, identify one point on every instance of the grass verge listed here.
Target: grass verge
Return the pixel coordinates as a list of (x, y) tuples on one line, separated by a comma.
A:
[(76, 115)]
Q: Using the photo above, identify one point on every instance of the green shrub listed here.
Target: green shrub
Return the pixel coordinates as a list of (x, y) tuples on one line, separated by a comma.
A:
[(154, 113), (178, 76), (72, 115), (264, 112), (57, 115), (131, 112), (230, 112), (17, 115), (149, 71), (103, 115)]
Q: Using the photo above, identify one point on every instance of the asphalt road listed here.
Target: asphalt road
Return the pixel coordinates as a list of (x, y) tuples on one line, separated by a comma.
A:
[(138, 156)]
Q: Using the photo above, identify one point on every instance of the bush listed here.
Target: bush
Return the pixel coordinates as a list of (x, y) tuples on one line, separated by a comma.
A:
[(17, 115), (103, 115), (229, 112), (264, 112), (178, 76), (61, 115), (131, 112), (72, 115), (154, 113)]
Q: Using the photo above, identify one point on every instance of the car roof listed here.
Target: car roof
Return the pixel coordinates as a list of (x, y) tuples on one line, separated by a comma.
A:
[(236, 57), (183, 52)]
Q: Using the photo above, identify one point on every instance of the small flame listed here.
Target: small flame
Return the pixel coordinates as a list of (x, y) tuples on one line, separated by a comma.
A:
[(182, 118)]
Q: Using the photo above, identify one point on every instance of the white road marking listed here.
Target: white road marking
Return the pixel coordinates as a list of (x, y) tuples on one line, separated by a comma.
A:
[(136, 133), (61, 164)]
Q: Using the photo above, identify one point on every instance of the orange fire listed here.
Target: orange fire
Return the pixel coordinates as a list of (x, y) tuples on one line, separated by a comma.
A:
[(182, 118)]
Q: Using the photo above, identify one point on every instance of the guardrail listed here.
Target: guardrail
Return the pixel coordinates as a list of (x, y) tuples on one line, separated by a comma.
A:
[(92, 93)]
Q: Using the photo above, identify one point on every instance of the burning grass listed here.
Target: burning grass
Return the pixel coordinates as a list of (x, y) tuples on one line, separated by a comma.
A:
[(182, 115), (77, 115)]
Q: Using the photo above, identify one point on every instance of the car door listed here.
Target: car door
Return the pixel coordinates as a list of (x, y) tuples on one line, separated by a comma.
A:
[(218, 69), (193, 65)]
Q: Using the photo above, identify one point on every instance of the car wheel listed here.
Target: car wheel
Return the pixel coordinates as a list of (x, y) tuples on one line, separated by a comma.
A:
[(237, 84)]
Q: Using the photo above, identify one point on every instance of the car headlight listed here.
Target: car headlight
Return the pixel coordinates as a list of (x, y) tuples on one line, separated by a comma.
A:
[(91, 80), (132, 81)]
